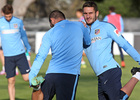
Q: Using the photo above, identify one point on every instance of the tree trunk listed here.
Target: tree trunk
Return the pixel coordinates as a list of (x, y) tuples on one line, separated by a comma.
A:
[(2, 3), (20, 7)]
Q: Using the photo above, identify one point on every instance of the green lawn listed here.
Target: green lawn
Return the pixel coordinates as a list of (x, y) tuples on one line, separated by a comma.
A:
[(87, 86)]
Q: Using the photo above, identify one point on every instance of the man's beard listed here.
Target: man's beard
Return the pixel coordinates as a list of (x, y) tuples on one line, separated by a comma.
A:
[(89, 24)]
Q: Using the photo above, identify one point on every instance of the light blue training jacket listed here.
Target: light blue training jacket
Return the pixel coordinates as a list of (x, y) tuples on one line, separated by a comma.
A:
[(66, 41), (12, 34), (99, 52)]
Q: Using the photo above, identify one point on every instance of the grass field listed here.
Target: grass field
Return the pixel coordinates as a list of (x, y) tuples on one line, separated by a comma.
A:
[(87, 86)]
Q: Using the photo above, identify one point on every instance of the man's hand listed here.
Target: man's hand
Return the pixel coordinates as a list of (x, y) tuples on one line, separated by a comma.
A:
[(36, 82), (29, 53), (84, 23)]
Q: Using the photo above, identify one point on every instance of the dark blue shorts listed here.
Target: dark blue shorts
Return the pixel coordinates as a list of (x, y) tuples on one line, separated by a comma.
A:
[(63, 85), (109, 85), (13, 61)]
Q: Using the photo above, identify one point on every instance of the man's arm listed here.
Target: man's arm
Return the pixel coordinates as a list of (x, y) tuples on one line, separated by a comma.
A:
[(40, 57), (24, 37), (86, 36), (123, 43)]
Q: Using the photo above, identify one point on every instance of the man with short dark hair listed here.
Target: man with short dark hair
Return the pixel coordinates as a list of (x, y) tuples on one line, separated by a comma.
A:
[(66, 40), (100, 57), (13, 35), (2, 56)]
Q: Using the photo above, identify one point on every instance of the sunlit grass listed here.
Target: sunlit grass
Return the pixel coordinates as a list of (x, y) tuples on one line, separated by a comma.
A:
[(87, 86)]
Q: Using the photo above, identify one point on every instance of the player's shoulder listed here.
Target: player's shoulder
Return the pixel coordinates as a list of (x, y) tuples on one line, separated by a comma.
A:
[(67, 23), (2, 21), (49, 31), (107, 25), (16, 19), (78, 24), (48, 34), (1, 18)]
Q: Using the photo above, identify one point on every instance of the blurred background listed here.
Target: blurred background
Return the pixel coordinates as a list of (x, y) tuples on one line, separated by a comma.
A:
[(35, 14)]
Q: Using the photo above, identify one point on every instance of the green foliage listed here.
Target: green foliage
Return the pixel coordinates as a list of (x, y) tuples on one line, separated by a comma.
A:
[(87, 86), (42, 8), (127, 8), (10, 1), (122, 7), (95, 0), (135, 7)]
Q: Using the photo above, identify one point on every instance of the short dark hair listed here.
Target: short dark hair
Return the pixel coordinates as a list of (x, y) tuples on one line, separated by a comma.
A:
[(111, 8), (90, 4), (80, 10), (7, 9), (56, 14)]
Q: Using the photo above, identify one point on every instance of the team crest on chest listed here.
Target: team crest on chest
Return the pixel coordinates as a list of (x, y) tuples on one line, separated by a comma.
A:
[(15, 25), (97, 31)]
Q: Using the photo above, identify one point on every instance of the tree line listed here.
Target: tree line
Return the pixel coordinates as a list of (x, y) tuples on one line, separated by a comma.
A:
[(42, 8)]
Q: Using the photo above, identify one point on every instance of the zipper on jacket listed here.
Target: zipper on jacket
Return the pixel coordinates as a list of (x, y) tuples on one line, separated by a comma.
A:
[(9, 25), (90, 30)]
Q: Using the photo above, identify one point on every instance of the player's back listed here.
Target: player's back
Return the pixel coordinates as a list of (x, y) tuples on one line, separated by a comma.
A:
[(66, 47)]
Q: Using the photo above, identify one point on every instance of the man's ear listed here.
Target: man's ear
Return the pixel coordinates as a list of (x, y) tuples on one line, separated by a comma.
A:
[(52, 20), (97, 13)]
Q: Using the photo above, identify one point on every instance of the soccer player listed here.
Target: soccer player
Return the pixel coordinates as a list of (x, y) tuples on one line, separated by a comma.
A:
[(100, 57), (2, 56), (79, 15), (65, 39), (12, 33), (117, 21)]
